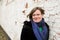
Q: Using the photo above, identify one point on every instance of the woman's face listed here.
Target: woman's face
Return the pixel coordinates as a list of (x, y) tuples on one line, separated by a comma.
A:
[(37, 16)]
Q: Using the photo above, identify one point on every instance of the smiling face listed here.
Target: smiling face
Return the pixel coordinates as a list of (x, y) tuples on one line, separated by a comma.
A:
[(37, 16)]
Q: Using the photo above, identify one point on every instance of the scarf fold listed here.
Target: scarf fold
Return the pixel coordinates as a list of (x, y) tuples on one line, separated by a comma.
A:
[(38, 34)]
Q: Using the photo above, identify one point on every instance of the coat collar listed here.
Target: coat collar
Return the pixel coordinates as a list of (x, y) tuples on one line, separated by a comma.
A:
[(28, 23)]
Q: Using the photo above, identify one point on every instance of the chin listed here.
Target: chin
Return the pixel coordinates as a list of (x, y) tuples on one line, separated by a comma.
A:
[(36, 21)]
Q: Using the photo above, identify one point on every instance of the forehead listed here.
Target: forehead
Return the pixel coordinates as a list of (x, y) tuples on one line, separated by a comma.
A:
[(37, 12)]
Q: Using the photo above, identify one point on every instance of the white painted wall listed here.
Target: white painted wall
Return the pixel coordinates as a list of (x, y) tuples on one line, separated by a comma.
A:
[(12, 17)]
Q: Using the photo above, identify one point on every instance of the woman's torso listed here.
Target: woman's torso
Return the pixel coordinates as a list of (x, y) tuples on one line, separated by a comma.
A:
[(27, 32)]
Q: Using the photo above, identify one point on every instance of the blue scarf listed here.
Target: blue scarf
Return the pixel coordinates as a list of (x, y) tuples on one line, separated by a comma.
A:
[(38, 34)]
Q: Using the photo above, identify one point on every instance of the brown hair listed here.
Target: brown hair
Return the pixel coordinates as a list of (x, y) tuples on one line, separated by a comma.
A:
[(33, 10)]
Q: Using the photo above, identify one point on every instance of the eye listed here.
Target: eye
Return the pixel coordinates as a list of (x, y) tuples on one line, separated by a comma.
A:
[(35, 14), (38, 14)]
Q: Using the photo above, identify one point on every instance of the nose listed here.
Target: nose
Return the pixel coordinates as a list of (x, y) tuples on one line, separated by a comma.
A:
[(36, 16)]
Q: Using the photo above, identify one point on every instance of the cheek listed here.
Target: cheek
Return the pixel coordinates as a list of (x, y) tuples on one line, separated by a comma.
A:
[(37, 18), (34, 18)]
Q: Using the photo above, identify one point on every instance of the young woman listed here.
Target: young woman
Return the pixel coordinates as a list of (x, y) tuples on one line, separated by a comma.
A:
[(36, 28)]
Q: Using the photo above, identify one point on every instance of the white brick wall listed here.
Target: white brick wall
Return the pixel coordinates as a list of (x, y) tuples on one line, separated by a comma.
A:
[(12, 16)]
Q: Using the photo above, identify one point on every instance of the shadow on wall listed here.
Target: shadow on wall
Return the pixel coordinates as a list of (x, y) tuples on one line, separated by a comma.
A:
[(3, 34)]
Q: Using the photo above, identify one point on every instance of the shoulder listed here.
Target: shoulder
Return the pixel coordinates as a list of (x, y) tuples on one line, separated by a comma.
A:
[(27, 24), (47, 26)]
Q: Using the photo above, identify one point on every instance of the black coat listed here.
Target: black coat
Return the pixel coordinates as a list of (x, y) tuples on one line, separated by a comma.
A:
[(27, 31)]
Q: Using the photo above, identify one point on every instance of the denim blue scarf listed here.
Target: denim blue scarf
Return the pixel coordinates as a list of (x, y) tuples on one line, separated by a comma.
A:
[(38, 34)]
